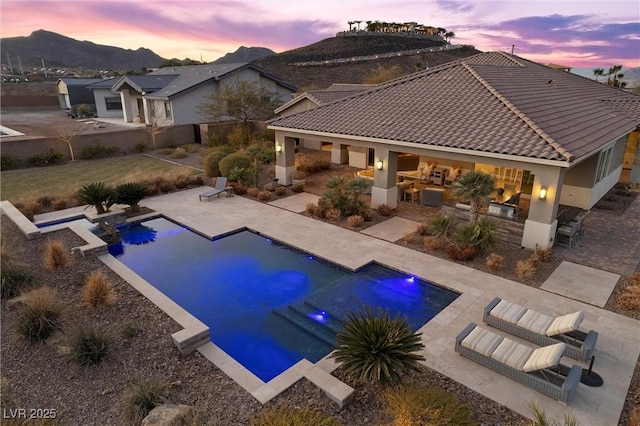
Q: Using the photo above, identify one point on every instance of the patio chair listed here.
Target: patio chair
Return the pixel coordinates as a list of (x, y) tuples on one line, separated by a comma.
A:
[(219, 187), (541, 329), (539, 369)]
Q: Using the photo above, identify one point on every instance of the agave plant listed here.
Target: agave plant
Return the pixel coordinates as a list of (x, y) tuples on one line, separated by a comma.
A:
[(131, 194), (378, 347), (98, 195), (442, 226)]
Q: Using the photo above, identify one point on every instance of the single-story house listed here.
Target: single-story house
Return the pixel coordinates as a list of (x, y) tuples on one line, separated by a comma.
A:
[(173, 95), (559, 137), (107, 101), (73, 91)]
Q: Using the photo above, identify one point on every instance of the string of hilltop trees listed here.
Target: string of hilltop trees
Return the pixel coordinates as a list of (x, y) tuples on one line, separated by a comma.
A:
[(614, 77), (393, 27)]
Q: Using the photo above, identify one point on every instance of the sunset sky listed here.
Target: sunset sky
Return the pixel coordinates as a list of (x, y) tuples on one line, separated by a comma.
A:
[(577, 33)]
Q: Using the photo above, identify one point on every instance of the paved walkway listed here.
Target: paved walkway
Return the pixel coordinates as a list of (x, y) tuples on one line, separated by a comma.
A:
[(616, 352)]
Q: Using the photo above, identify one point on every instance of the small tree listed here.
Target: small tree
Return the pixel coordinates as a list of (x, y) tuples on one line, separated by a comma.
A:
[(68, 132), (156, 127), (244, 101), (473, 186)]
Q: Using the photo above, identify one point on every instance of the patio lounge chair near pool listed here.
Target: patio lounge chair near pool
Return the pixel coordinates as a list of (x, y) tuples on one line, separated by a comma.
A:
[(221, 184), (539, 369), (542, 329)]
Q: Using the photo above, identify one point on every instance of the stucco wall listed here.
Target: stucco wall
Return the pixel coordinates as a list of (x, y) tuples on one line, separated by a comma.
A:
[(24, 147), (100, 96)]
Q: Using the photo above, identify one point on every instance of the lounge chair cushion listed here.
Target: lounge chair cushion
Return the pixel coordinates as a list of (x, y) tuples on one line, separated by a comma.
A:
[(565, 323), (512, 353), (482, 341), (535, 321), (545, 357), (508, 311)]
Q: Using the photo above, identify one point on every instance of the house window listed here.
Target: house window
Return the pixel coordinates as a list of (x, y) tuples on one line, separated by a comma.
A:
[(603, 164), (114, 103), (152, 108), (167, 110)]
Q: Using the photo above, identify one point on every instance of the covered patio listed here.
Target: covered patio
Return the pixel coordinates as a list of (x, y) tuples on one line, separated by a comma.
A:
[(540, 132)]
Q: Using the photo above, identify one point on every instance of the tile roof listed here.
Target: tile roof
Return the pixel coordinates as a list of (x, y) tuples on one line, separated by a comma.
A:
[(145, 83), (105, 83), (490, 102), (330, 94)]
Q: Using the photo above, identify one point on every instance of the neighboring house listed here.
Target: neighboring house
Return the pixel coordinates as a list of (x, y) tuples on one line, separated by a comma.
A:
[(173, 95), (107, 101), (557, 137), (73, 91)]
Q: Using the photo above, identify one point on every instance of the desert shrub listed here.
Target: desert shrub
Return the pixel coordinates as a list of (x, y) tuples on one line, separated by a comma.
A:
[(319, 211), (179, 153), (56, 255), (181, 183), (8, 162), (240, 189), (284, 416), (165, 187), (46, 200), (487, 235), (98, 291), (525, 269), (234, 161), (297, 188), (281, 190), (89, 345), (140, 147), (355, 221), (242, 175), (211, 162), (332, 215), (423, 229), (142, 398), (40, 315), (467, 235), (412, 405), (298, 175), (310, 208), (367, 214), (460, 252), (129, 331), (192, 148), (544, 254), (253, 192), (59, 204), (50, 157), (264, 195), (378, 347), (630, 298), (433, 243), (411, 238), (344, 195), (540, 417), (13, 279), (534, 260), (165, 151), (99, 150), (442, 226), (29, 210), (384, 210), (195, 180), (494, 262), (314, 166)]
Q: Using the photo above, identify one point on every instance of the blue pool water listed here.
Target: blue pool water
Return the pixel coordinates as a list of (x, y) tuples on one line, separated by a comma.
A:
[(267, 305)]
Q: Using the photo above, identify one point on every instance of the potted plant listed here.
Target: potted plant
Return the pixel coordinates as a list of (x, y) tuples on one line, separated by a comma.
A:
[(298, 177)]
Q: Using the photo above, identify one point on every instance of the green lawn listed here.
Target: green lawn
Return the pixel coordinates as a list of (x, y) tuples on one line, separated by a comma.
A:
[(25, 186)]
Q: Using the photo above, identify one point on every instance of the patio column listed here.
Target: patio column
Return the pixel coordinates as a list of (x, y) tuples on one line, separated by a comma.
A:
[(339, 154), (385, 190), (285, 158), (127, 108), (540, 226)]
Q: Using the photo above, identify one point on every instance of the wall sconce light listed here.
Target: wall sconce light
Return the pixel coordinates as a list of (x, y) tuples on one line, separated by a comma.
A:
[(543, 193), (278, 147), (379, 164)]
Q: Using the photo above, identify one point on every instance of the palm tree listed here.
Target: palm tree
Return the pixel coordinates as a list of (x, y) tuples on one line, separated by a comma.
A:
[(449, 35), (473, 186), (98, 195), (131, 194), (351, 25), (598, 72)]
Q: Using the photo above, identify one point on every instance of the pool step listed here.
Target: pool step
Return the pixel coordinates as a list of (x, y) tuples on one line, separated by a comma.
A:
[(333, 322), (306, 324)]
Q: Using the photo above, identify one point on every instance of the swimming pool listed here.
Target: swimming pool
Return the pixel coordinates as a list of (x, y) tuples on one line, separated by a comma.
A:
[(267, 305)]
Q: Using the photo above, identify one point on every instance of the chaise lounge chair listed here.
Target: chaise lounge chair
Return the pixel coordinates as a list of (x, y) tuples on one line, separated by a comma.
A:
[(219, 187), (541, 329), (539, 369)]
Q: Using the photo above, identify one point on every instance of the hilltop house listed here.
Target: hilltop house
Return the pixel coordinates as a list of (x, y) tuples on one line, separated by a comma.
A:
[(556, 137)]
